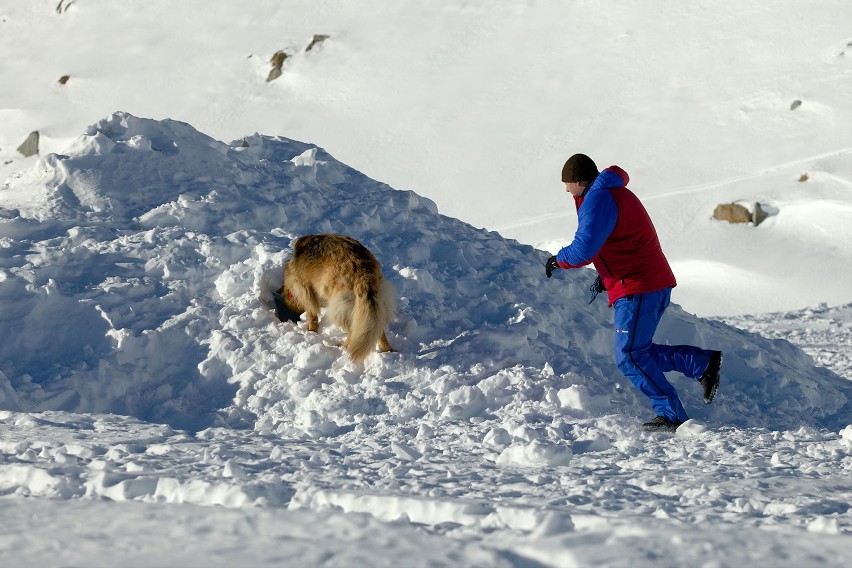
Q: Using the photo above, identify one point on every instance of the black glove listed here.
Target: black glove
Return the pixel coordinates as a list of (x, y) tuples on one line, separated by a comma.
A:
[(550, 266)]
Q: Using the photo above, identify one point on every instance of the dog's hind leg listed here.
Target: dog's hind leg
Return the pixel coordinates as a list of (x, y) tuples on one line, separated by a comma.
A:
[(340, 313), (384, 345)]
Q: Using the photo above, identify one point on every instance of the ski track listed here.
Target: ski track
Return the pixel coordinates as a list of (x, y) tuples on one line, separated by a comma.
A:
[(687, 189)]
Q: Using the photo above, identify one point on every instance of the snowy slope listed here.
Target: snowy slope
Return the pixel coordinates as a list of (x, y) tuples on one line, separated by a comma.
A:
[(144, 364), (154, 250), (477, 104)]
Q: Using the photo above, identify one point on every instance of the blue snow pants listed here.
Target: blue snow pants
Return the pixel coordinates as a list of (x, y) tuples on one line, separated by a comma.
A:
[(643, 362)]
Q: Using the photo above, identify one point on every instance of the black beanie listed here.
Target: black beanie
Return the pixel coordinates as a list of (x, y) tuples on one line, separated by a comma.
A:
[(579, 167)]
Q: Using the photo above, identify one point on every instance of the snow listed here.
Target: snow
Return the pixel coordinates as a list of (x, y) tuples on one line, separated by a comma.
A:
[(154, 409)]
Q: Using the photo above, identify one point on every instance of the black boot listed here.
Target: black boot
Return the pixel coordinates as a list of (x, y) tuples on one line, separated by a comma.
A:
[(661, 424), (710, 379)]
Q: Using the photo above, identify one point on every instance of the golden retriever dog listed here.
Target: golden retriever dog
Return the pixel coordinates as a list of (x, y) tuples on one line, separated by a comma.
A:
[(339, 272)]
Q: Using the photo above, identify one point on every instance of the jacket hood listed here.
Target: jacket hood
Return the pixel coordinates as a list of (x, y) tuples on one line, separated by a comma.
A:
[(611, 177)]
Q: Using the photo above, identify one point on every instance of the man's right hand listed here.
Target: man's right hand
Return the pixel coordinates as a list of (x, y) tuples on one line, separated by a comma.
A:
[(550, 266)]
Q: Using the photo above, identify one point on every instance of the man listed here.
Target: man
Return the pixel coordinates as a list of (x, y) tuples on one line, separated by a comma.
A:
[(615, 233)]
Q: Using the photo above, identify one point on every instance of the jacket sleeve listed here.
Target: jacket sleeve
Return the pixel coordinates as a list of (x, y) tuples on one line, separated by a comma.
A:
[(596, 219)]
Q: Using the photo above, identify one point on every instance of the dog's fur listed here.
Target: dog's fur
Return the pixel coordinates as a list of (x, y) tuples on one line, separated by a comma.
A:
[(341, 273)]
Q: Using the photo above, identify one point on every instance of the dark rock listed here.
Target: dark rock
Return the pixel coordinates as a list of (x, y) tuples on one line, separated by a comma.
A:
[(318, 38), (60, 8), (277, 62), (759, 215), (30, 145)]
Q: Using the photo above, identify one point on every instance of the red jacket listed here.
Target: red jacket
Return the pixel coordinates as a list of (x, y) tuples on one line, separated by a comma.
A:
[(615, 233)]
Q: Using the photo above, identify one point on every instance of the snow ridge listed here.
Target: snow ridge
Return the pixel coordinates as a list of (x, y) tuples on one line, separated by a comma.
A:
[(140, 284)]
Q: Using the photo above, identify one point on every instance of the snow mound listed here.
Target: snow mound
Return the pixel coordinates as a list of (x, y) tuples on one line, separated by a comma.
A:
[(137, 279)]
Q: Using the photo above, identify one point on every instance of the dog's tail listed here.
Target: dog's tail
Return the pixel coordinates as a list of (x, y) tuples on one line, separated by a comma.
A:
[(372, 311)]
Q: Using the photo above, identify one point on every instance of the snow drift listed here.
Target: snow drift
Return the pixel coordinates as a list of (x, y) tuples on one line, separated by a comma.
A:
[(136, 277)]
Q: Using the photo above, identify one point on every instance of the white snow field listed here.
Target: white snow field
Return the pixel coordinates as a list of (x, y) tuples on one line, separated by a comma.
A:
[(154, 411), (476, 104), (150, 388)]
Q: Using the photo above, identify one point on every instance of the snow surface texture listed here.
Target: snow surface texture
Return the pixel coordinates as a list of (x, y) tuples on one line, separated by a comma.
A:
[(476, 104), (142, 362)]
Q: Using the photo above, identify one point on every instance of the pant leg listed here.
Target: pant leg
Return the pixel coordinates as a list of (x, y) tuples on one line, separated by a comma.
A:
[(685, 359), (636, 320)]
